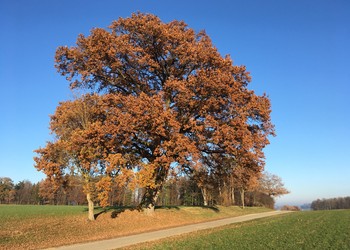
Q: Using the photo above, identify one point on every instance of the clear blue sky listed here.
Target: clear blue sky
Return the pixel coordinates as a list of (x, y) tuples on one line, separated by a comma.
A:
[(297, 52)]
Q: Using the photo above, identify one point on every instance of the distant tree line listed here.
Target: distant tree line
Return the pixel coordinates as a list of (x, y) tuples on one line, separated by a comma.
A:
[(176, 191), (24, 192), (332, 203)]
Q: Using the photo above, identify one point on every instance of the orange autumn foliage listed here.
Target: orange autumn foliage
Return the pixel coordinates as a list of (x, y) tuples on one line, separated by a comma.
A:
[(163, 97)]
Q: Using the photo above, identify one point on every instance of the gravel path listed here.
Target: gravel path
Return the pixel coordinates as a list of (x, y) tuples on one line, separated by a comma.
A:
[(160, 234)]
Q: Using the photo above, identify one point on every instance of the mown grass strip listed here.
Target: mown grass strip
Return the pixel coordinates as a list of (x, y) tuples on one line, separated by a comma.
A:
[(17, 212), (299, 230)]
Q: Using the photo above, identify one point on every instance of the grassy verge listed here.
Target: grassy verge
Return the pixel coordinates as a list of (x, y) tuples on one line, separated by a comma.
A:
[(299, 230), (33, 227), (19, 212)]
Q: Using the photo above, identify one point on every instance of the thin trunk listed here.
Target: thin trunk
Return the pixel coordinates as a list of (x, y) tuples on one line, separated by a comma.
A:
[(124, 197), (225, 200), (233, 195), (242, 197), (205, 195), (232, 189), (91, 207)]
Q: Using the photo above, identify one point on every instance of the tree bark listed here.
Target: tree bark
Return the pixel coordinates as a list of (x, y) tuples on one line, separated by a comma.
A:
[(232, 189), (233, 195), (149, 200), (242, 197), (149, 210), (205, 196), (91, 215)]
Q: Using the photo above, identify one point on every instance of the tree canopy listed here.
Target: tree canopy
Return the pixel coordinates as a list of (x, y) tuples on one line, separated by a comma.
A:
[(159, 99), (272, 185)]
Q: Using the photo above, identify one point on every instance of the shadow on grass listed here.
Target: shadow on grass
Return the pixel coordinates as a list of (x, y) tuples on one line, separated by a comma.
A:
[(213, 208), (116, 211), (167, 207)]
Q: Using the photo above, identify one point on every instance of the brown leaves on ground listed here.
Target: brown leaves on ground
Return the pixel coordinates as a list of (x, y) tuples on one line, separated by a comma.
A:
[(52, 231)]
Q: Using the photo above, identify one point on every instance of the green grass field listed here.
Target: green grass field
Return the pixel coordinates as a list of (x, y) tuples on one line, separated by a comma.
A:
[(32, 227), (17, 212), (299, 230)]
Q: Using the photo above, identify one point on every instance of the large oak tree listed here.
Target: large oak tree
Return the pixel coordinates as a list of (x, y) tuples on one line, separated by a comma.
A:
[(167, 99)]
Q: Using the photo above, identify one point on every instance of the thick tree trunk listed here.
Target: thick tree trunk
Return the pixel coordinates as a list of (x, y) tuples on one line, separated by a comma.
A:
[(149, 200), (149, 210), (91, 207)]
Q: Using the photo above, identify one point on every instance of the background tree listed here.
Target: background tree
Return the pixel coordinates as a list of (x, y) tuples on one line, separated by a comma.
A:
[(205, 180), (272, 185), (47, 192), (290, 208), (6, 190), (75, 190), (331, 203), (25, 192), (80, 149), (244, 180)]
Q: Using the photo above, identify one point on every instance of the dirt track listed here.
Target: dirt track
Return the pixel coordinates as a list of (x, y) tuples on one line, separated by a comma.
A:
[(160, 234)]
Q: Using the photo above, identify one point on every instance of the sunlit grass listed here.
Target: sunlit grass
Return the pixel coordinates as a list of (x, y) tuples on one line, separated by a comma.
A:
[(221, 211), (299, 230), (15, 212)]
